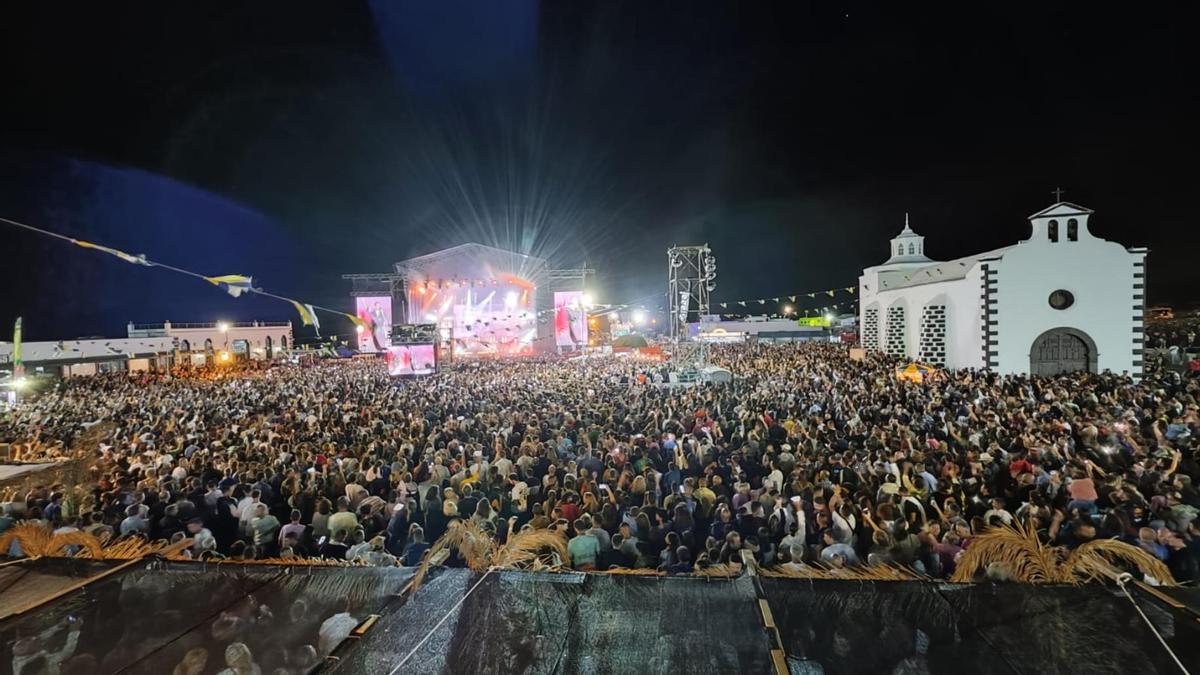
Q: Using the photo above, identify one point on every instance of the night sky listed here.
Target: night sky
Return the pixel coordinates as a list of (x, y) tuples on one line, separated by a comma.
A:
[(296, 141)]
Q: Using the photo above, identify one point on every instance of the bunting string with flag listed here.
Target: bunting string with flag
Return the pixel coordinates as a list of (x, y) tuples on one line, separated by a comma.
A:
[(234, 284), (831, 292)]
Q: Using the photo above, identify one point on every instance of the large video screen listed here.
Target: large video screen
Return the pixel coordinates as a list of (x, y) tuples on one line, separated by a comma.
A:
[(570, 320), (405, 360), (377, 312), (414, 333), (485, 317)]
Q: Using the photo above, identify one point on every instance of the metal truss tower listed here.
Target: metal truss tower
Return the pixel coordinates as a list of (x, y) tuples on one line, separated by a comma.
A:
[(691, 277)]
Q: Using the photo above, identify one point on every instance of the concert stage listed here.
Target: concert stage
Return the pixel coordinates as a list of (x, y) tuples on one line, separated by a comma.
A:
[(483, 301)]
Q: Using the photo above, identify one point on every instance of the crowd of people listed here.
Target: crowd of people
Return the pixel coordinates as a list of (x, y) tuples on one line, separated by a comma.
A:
[(808, 456)]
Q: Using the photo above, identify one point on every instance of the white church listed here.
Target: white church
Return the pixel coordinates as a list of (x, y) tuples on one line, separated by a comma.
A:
[(1060, 301)]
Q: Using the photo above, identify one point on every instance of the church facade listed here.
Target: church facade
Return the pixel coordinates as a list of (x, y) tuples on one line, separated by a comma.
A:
[(1060, 301)]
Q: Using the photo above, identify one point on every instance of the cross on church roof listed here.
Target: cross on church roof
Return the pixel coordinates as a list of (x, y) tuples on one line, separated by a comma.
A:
[(1058, 193)]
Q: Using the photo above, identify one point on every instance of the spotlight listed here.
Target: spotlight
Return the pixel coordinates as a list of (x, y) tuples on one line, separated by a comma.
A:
[(787, 309), (829, 317), (359, 329), (639, 317), (223, 326), (587, 299), (510, 300)]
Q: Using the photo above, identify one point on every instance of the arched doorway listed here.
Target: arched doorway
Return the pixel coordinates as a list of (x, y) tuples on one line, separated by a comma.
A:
[(1062, 350), (270, 350)]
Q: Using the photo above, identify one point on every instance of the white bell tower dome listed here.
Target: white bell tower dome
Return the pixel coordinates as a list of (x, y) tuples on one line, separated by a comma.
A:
[(907, 247)]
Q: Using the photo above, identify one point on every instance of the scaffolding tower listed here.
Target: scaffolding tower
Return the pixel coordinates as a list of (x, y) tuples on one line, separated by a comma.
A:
[(691, 278)]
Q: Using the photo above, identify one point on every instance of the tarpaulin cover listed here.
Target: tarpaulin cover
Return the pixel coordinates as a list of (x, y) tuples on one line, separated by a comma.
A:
[(148, 618)]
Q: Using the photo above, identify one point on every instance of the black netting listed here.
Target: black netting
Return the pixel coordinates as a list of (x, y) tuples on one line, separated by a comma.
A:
[(852, 627), (31, 582), (569, 623), (405, 623), (149, 619)]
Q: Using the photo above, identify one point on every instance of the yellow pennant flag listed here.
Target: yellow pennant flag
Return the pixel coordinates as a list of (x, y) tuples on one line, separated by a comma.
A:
[(359, 321), (127, 257), (234, 284), (308, 316)]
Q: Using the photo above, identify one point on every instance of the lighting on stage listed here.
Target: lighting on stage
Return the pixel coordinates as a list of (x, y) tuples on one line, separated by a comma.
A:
[(223, 326), (431, 317), (586, 298), (787, 310), (639, 317), (510, 300), (20, 383), (829, 317), (359, 329), (223, 356)]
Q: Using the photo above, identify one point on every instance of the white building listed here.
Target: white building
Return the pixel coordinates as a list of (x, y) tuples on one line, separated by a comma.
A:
[(1060, 301), (253, 340), (70, 358)]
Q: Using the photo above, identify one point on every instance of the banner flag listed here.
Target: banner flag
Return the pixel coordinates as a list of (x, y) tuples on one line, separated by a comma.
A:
[(234, 284), (127, 257), (18, 364), (307, 316)]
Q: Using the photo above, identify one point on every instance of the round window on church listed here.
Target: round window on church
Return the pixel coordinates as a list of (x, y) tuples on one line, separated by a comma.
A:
[(1061, 299)]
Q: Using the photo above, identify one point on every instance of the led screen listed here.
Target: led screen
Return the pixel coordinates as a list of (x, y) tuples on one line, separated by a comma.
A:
[(411, 360), (570, 320), (377, 312)]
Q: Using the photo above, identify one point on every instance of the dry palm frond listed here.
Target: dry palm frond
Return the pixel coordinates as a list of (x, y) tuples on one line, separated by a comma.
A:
[(89, 546), (292, 562), (719, 571), (1102, 559), (533, 550), (635, 572), (354, 589), (32, 538), (1017, 548), (856, 573), (875, 573), (474, 546)]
